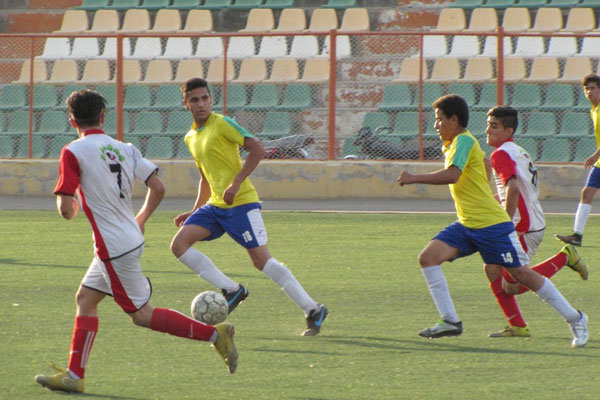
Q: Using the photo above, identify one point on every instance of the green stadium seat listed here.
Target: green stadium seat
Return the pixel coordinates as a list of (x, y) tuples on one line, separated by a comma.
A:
[(123, 5), (431, 92), (237, 97), (559, 97), (13, 97), (349, 148), (530, 145), (58, 142), (110, 122), (340, 4), (487, 97), (182, 150), (38, 149), (478, 123), (245, 4), (541, 124), (148, 123), (396, 96), (584, 149), (501, 3), (52, 123), (109, 92), (215, 4), (6, 146), (376, 119), (406, 125), (296, 96), (526, 96), (464, 90), (185, 4), (136, 141), (467, 4), (532, 3), (277, 124), (582, 104), (137, 97), (167, 97), (18, 123), (264, 97), (154, 5), (556, 150), (66, 92), (278, 4), (484, 146), (563, 3), (159, 147), (589, 3), (178, 123), (93, 5), (576, 124), (44, 97)]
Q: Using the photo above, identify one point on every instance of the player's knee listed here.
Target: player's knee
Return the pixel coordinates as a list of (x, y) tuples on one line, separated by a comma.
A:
[(178, 247), (141, 318), (426, 259)]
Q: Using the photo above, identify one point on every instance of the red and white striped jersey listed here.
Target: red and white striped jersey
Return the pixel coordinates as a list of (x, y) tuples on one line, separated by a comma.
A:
[(102, 171), (511, 161)]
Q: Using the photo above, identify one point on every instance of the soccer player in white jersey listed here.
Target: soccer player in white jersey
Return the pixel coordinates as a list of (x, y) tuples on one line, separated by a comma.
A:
[(101, 171), (517, 184), (591, 88)]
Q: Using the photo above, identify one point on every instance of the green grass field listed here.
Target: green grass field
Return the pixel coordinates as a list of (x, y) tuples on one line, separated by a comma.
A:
[(362, 266)]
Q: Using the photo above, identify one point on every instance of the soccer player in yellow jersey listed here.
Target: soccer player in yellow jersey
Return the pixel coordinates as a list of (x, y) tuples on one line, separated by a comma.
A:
[(483, 226), (227, 202), (591, 88)]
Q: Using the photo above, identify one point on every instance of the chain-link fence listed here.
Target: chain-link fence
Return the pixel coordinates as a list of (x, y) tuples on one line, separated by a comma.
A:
[(278, 87)]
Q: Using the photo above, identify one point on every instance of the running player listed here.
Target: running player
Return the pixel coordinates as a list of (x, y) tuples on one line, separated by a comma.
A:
[(517, 184), (228, 202), (483, 226), (591, 88), (102, 171)]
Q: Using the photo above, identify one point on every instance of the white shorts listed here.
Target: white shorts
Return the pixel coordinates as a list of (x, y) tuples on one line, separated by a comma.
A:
[(531, 241), (121, 278)]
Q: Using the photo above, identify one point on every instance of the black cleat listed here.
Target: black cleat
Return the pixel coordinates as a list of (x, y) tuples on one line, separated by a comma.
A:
[(575, 239), (235, 298), (315, 320)]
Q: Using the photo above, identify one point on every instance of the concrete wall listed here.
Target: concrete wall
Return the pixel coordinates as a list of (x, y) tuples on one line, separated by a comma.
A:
[(295, 179)]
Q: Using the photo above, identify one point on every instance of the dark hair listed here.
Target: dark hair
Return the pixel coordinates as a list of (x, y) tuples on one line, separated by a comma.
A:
[(86, 107), (192, 84), (507, 115), (453, 104), (591, 78)]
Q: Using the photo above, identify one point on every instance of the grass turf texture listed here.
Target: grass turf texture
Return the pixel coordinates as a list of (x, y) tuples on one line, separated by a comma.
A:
[(363, 267)]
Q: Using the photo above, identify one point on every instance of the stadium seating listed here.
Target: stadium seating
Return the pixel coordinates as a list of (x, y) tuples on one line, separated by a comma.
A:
[(343, 47), (167, 20), (137, 97), (63, 72), (409, 71), (44, 97), (284, 70), (445, 70), (158, 72), (259, 20), (241, 47), (84, 48), (40, 73), (464, 46), (355, 19), (109, 92), (406, 125), (278, 4), (558, 97), (110, 122), (105, 21), (548, 19), (215, 4), (178, 48), (178, 123), (52, 122), (434, 46), (187, 69), (198, 21), (264, 97), (147, 123), (562, 46), (160, 147), (66, 91), (237, 97), (396, 97), (252, 70), (451, 19), (483, 19), (465, 90), (295, 97), (478, 70), (316, 70), (215, 75), (12, 97), (292, 20), (467, 4), (516, 19), (147, 48), (277, 124), (273, 47), (38, 147), (575, 68), (123, 5), (154, 5), (487, 97), (556, 150), (376, 119), (580, 20), (529, 46), (530, 145), (576, 125), (93, 5), (6, 146), (56, 48), (490, 48), (340, 4), (185, 4), (584, 149), (18, 123), (526, 96), (514, 69), (541, 124), (110, 48), (304, 47), (563, 3), (135, 20), (323, 19), (95, 72), (544, 69)]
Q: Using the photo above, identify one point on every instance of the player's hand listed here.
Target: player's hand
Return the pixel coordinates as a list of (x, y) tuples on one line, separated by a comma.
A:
[(589, 163), (405, 178), (180, 219), (230, 192), (141, 224)]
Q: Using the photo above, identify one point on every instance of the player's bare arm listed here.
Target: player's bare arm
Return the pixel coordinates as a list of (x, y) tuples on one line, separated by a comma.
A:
[(255, 154), (201, 199), (589, 163), (68, 206), (155, 194), (512, 197), (441, 177)]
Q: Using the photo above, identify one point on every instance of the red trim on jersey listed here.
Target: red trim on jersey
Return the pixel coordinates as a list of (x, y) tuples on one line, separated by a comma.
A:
[(119, 293), (93, 132), (504, 166), (68, 173), (101, 248), (525, 222)]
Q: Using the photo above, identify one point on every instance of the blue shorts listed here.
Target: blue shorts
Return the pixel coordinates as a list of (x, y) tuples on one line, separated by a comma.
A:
[(243, 223), (498, 244), (593, 178)]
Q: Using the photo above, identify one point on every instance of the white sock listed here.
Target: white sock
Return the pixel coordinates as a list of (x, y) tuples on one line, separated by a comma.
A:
[(207, 270), (550, 294), (284, 278), (581, 216), (438, 287)]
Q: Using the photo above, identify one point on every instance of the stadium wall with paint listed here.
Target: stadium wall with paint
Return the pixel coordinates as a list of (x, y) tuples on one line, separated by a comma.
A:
[(295, 179)]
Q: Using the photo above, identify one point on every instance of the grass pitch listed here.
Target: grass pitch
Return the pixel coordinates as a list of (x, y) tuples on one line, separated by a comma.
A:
[(362, 266)]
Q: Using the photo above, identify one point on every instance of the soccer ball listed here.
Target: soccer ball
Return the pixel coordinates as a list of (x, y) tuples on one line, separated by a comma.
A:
[(210, 307)]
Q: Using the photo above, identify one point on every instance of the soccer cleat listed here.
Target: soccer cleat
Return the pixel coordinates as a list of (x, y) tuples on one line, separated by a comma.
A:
[(225, 346), (575, 239), (579, 331), (315, 320), (575, 262), (442, 328), (62, 381), (512, 331), (235, 298)]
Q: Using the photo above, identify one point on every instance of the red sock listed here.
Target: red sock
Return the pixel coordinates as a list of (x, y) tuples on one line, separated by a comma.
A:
[(508, 304), (177, 324), (84, 333), (546, 268)]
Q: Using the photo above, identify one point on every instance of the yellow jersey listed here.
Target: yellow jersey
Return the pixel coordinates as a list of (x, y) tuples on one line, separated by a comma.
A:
[(595, 114), (215, 148), (475, 204)]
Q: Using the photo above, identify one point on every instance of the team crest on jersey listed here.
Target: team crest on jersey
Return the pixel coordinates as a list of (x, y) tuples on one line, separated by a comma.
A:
[(110, 153)]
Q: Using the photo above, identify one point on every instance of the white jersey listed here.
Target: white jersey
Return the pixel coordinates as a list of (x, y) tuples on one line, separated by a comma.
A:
[(102, 170), (512, 161)]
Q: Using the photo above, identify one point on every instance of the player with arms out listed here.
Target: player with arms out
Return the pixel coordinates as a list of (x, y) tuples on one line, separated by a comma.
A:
[(483, 226), (517, 185), (102, 171), (228, 202), (591, 88)]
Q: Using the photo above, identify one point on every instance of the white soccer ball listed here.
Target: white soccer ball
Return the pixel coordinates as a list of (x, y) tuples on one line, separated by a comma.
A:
[(210, 307)]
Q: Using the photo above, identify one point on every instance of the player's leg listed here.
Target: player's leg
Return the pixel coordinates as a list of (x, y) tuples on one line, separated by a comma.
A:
[(431, 257), (507, 302), (202, 226)]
